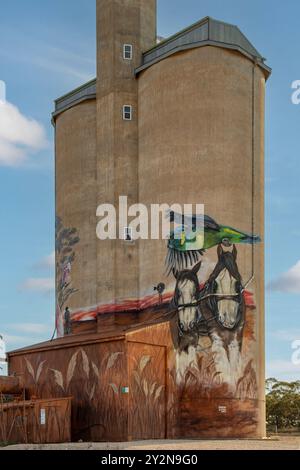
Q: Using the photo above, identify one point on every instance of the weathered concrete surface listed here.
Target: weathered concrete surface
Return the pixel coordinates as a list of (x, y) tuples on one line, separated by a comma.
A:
[(119, 22), (75, 181), (281, 443), (97, 155), (201, 140), (197, 136)]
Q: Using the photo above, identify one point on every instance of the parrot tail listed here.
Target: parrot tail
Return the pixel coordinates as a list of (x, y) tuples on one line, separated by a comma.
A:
[(180, 260)]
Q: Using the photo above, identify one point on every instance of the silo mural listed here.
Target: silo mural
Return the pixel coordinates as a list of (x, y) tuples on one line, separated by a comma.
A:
[(183, 318)]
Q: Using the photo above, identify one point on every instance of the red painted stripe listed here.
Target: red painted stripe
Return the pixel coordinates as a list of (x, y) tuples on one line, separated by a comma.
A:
[(131, 305)]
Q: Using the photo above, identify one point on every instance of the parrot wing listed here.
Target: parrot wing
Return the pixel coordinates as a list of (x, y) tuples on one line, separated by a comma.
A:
[(187, 221)]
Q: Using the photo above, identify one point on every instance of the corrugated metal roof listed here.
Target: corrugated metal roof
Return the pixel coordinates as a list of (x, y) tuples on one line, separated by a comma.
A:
[(118, 333), (207, 31), (83, 93)]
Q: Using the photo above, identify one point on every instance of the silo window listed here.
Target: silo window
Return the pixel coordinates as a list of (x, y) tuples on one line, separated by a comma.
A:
[(128, 234), (127, 51), (127, 112)]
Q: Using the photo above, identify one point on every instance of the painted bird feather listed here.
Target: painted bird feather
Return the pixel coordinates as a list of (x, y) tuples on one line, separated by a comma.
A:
[(191, 235)]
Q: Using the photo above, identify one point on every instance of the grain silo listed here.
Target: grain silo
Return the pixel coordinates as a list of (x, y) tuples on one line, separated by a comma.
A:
[(173, 329)]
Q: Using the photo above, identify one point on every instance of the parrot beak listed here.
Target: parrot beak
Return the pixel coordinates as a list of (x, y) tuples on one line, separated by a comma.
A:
[(251, 239)]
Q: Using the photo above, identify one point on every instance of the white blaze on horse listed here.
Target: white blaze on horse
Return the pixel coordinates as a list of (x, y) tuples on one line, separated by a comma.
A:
[(188, 327), (216, 311), (223, 309), (186, 301)]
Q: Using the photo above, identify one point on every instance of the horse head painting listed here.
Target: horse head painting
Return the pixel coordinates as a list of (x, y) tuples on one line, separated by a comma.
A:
[(223, 308), (186, 301), (222, 300), (217, 311)]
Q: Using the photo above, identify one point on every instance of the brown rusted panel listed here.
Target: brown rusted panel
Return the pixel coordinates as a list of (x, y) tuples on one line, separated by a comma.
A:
[(169, 394), (121, 321), (162, 334), (218, 393), (10, 385), (147, 391), (105, 321), (156, 334), (218, 418), (93, 374), (79, 327), (127, 318), (38, 421)]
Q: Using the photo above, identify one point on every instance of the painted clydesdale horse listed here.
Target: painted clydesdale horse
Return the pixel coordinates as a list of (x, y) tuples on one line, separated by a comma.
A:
[(217, 310)]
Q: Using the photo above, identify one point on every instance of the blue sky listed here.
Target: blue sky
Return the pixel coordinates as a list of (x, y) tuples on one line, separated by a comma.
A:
[(46, 49)]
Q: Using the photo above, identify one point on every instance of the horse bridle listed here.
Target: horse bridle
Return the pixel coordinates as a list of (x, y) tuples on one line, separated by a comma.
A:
[(235, 297), (220, 297), (214, 298), (213, 294), (187, 305)]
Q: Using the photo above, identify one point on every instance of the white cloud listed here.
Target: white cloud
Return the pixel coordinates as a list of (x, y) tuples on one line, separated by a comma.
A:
[(29, 328), (18, 335), (50, 259), (271, 179), (55, 60), (283, 369), (2, 91), (288, 282), (44, 285), (19, 136), (15, 341), (286, 335), (66, 63), (46, 262)]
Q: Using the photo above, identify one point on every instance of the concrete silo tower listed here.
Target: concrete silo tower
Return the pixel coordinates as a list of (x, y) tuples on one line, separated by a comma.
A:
[(97, 160), (175, 122), (201, 139), (125, 29)]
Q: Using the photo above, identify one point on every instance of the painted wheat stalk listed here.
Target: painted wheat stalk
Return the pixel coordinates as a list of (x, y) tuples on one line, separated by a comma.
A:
[(58, 377), (35, 375), (71, 369), (85, 363)]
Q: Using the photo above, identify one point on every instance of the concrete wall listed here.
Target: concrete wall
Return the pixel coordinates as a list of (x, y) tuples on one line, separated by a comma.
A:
[(76, 200), (118, 23), (201, 140), (195, 144), (96, 161), (197, 136)]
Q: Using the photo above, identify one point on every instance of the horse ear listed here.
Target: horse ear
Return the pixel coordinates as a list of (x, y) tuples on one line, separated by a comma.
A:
[(197, 267), (234, 252), (175, 273), (220, 251)]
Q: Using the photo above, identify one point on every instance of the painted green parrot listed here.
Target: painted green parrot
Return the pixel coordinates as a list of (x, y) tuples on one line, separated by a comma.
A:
[(197, 233)]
